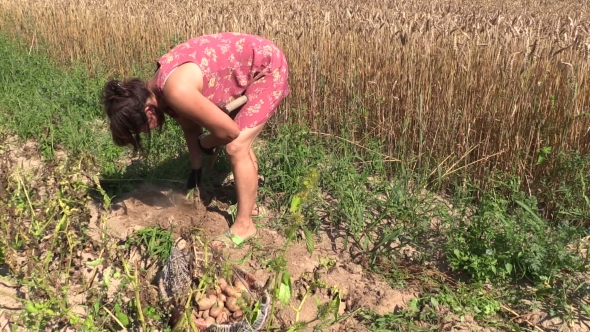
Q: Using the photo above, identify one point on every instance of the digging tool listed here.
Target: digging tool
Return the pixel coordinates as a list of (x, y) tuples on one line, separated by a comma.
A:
[(231, 109)]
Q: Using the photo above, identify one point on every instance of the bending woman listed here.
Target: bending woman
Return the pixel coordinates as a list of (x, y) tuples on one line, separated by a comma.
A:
[(193, 81)]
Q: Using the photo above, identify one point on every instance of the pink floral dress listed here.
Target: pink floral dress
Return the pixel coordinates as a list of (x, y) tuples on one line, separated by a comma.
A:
[(234, 64)]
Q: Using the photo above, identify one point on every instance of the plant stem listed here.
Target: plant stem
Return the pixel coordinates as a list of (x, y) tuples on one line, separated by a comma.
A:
[(300, 307), (138, 299), (115, 318)]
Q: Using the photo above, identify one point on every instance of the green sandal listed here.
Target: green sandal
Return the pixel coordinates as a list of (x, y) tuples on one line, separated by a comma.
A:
[(231, 240)]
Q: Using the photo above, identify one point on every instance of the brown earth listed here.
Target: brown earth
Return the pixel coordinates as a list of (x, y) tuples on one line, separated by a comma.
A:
[(151, 205)]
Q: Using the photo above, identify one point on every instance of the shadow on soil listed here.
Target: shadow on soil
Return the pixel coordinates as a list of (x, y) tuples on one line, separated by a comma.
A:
[(170, 176)]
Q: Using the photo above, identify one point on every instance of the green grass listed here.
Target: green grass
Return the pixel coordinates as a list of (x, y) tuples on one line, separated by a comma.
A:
[(501, 245), (60, 109), (56, 107), (157, 242)]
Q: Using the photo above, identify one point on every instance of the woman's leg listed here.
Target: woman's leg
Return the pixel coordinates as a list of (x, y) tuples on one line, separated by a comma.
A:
[(264, 97), (245, 169), (257, 211), (254, 159)]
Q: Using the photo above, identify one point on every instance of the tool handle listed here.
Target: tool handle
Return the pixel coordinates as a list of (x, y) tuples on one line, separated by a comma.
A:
[(232, 105)]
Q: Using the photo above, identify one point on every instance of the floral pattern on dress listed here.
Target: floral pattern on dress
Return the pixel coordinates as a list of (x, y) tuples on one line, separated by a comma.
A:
[(234, 64)]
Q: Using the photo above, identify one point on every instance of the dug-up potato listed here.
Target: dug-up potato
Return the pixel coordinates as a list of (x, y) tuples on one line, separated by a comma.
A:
[(231, 304), (243, 291), (230, 291), (223, 317), (237, 314), (222, 283), (221, 297), (216, 309), (240, 287), (207, 302)]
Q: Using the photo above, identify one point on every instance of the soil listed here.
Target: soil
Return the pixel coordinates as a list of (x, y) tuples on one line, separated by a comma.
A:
[(152, 205), (149, 205)]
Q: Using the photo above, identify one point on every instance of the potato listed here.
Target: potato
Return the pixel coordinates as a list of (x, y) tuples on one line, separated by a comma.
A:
[(222, 318), (237, 314), (207, 303), (230, 291), (216, 309), (209, 321), (205, 314), (199, 296), (243, 291), (231, 305), (210, 292), (221, 297), (222, 283), (200, 324), (240, 286)]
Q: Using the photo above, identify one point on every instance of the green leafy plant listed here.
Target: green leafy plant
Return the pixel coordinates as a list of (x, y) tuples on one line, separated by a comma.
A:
[(543, 153), (506, 238), (157, 242)]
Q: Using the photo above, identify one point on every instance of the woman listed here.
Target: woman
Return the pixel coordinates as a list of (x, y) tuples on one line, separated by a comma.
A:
[(193, 81)]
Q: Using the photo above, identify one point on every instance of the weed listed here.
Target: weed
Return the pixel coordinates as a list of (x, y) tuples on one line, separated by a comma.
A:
[(505, 237), (563, 190), (283, 288), (156, 241)]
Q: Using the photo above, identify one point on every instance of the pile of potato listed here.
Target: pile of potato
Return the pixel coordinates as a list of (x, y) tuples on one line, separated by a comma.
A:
[(219, 304)]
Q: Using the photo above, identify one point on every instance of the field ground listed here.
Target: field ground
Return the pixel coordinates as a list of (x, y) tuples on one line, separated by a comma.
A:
[(457, 200), (167, 207)]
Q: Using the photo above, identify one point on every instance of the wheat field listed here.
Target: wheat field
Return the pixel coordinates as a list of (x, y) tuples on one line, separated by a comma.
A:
[(454, 84)]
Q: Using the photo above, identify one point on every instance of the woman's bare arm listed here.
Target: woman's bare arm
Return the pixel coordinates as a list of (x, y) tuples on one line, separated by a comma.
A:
[(191, 132), (183, 93)]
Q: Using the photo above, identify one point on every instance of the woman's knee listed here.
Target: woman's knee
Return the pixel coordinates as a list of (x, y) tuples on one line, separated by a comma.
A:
[(237, 149), (241, 146)]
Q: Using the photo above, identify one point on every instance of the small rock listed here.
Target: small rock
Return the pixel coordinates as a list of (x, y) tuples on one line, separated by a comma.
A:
[(355, 269), (181, 244)]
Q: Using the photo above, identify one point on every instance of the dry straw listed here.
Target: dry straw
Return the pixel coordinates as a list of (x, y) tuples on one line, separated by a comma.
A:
[(426, 78)]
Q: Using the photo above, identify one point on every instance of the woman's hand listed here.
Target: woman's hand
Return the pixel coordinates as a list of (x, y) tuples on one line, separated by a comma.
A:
[(208, 151), (192, 132)]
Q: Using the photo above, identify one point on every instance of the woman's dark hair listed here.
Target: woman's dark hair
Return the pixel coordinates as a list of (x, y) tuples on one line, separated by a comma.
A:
[(124, 103)]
